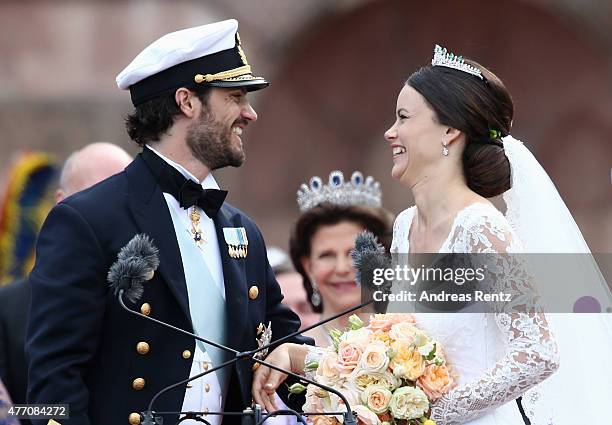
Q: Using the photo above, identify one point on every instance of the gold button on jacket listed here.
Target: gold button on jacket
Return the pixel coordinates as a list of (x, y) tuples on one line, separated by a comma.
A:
[(142, 347), (145, 309), (134, 418), (186, 354), (253, 292), (206, 387), (138, 384)]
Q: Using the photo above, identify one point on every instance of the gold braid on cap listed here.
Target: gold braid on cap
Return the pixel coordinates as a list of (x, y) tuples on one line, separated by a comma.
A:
[(230, 73), (224, 75)]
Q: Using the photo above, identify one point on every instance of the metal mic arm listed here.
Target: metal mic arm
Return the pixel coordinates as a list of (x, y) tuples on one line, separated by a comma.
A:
[(243, 356), (349, 417), (184, 332), (322, 322)]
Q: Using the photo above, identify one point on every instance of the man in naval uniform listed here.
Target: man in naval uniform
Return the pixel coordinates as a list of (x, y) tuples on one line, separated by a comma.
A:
[(189, 89)]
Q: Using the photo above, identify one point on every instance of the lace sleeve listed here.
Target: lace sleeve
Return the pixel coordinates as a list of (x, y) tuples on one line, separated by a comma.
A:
[(531, 354), (311, 361), (401, 228)]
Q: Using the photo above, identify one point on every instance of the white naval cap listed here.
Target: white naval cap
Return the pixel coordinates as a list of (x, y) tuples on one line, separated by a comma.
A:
[(207, 55)]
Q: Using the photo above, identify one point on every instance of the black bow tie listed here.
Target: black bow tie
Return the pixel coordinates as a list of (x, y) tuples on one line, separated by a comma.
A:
[(210, 200), (185, 191)]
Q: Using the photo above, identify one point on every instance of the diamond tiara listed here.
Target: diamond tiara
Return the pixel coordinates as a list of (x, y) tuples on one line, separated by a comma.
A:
[(444, 58), (357, 191)]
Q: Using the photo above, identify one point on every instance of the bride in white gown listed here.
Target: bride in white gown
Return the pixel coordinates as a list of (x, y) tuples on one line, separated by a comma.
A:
[(451, 147), (497, 357)]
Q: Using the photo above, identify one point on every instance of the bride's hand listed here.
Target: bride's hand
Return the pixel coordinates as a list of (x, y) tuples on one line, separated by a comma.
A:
[(266, 381)]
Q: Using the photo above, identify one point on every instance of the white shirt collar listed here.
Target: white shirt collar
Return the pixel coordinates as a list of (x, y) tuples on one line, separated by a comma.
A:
[(208, 183)]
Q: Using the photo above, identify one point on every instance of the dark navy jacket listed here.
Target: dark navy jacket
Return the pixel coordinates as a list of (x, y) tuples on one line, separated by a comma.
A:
[(81, 345)]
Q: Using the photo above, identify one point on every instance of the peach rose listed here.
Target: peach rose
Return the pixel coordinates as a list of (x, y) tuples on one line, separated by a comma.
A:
[(407, 363), (315, 399), (365, 416), (374, 357), (324, 420), (313, 404), (348, 357), (383, 322), (436, 381), (377, 398), (327, 372)]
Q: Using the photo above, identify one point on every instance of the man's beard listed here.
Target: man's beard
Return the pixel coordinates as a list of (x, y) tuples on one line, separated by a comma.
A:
[(210, 142)]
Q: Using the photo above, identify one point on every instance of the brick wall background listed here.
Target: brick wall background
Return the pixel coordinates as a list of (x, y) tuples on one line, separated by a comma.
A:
[(335, 68)]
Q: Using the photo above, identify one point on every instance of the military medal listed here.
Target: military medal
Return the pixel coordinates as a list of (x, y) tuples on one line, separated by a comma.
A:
[(237, 242), (265, 337), (194, 216)]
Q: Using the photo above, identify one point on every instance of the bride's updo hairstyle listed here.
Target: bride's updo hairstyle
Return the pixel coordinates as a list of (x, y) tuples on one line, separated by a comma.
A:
[(482, 110)]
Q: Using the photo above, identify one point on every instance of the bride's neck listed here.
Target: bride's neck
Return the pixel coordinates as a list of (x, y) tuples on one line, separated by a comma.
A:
[(439, 196)]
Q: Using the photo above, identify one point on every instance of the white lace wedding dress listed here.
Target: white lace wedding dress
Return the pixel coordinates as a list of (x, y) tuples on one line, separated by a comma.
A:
[(497, 356)]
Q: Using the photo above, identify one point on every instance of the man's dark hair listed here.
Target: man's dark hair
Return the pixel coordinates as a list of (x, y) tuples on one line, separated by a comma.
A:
[(150, 120)]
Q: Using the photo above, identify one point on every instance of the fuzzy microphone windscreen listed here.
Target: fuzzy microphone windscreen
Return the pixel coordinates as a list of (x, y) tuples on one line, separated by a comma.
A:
[(136, 263), (368, 256)]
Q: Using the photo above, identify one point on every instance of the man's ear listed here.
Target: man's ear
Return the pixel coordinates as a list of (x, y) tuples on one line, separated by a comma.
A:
[(59, 195), (184, 99)]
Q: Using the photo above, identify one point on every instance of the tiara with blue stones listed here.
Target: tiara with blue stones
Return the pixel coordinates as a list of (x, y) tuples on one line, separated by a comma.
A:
[(357, 191), (442, 57)]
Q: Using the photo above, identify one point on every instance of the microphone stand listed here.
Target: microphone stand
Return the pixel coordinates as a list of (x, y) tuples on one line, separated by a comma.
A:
[(349, 418)]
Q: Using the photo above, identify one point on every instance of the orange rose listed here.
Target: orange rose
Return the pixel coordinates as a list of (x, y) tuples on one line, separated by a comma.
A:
[(436, 381), (386, 417), (382, 336), (407, 363)]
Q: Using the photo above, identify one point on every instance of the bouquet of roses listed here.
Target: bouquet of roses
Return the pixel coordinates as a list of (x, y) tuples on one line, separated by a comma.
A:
[(389, 371)]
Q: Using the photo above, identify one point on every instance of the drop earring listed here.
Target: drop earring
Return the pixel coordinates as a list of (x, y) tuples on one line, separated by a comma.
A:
[(444, 150), (315, 298)]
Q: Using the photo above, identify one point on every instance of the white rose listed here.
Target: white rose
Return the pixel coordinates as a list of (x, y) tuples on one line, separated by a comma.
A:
[(425, 349), (358, 336), (408, 403), (403, 331)]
